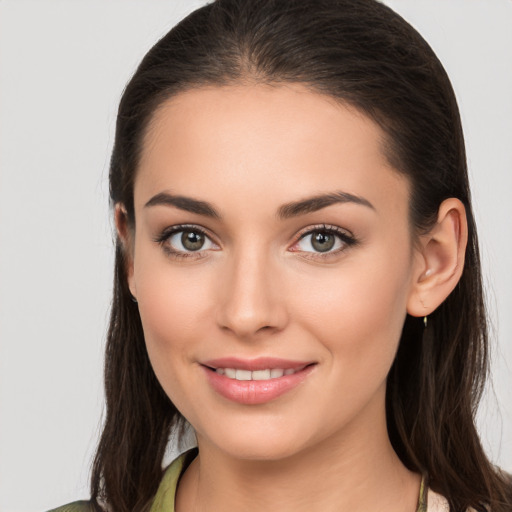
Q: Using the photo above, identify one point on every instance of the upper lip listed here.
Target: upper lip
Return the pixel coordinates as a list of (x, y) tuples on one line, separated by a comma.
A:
[(260, 363)]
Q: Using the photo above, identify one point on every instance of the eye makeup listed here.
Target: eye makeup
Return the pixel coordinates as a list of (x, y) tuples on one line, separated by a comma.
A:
[(191, 235), (333, 239), (318, 242)]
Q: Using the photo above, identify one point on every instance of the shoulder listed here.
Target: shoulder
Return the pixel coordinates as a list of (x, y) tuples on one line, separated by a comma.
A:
[(438, 503), (166, 494), (76, 506), (164, 498)]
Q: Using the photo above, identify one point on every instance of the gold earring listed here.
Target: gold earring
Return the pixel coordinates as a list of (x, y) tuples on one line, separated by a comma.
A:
[(425, 321)]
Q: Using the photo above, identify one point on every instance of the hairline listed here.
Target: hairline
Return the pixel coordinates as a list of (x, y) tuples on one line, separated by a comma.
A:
[(386, 142)]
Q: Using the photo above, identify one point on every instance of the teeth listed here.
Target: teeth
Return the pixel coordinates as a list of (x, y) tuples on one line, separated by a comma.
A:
[(243, 375), (229, 372), (274, 373), (261, 374)]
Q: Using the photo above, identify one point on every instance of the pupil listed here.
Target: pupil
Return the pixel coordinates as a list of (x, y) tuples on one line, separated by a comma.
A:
[(192, 241), (322, 241)]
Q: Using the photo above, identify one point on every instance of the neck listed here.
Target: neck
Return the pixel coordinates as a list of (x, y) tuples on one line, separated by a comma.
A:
[(355, 470)]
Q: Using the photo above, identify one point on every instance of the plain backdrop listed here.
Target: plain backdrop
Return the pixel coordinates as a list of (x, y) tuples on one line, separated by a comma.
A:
[(63, 66)]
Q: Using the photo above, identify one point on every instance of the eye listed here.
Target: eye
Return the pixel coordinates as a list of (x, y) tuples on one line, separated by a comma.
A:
[(188, 241), (184, 241), (324, 241)]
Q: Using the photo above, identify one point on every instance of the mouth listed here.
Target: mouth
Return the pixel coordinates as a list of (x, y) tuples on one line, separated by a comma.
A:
[(266, 374), (258, 381)]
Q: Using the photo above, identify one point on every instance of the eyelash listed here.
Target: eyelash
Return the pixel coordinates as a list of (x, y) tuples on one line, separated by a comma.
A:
[(168, 232), (347, 239)]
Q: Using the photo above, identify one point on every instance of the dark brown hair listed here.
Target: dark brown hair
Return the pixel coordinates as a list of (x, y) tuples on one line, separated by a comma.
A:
[(363, 54)]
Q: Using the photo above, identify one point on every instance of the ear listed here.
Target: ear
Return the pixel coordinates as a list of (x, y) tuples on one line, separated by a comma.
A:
[(125, 234), (440, 259)]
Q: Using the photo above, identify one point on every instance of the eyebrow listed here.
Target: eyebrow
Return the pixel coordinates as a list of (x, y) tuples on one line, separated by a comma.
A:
[(315, 203), (286, 211), (184, 203)]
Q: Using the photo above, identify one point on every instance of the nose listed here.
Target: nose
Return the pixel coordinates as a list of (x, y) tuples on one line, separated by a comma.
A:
[(251, 299)]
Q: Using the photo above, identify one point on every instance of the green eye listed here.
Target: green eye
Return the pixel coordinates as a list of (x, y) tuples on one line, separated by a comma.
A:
[(185, 241), (322, 241), (192, 240)]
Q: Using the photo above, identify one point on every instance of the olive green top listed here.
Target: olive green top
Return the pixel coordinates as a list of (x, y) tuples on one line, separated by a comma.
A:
[(166, 493)]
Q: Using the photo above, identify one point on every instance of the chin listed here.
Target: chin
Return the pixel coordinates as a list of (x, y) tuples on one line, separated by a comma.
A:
[(274, 450), (261, 441)]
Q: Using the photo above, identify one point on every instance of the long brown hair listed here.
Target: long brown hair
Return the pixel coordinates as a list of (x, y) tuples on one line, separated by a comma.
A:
[(361, 53)]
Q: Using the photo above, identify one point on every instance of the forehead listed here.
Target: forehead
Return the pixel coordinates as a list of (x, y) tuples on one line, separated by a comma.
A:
[(278, 142)]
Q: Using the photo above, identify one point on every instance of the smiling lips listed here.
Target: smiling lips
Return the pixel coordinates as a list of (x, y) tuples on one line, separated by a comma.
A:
[(274, 373), (257, 381)]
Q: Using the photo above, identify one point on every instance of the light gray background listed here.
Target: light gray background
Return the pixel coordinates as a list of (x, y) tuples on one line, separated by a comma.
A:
[(63, 66)]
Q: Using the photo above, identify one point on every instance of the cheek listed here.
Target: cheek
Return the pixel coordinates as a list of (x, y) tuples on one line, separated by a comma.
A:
[(173, 309), (358, 312), (171, 314)]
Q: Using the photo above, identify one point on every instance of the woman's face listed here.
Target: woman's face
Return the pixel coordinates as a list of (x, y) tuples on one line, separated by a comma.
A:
[(272, 243)]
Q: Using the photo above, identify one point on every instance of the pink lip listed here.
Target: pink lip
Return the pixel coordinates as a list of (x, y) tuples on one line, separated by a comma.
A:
[(253, 392)]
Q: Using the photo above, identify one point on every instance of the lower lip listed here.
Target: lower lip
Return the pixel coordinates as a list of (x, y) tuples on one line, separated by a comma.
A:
[(253, 392)]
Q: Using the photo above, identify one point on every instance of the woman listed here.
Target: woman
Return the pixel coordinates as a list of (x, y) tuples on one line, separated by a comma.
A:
[(297, 271)]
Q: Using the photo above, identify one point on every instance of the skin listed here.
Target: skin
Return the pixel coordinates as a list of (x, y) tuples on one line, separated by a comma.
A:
[(256, 290)]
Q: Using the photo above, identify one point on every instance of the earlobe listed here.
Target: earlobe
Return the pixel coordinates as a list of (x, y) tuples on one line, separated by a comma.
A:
[(126, 239), (440, 259)]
